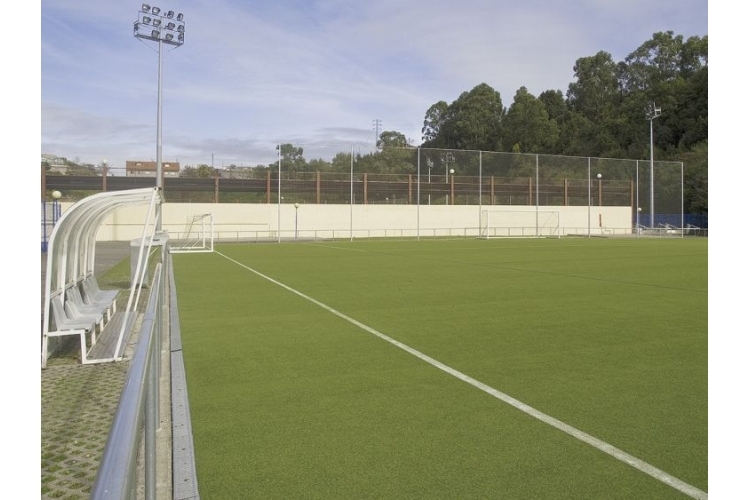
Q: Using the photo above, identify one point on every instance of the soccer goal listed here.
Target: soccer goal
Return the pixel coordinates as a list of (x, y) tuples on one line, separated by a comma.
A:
[(520, 224), (196, 236)]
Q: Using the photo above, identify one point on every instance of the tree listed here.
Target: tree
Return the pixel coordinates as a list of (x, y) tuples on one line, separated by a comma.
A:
[(528, 126), (473, 121), (693, 55), (292, 158), (572, 128), (558, 112), (661, 60), (671, 73), (554, 103), (342, 162), (319, 164), (595, 93), (696, 178), (692, 111), (392, 139), (595, 96), (204, 171), (433, 123)]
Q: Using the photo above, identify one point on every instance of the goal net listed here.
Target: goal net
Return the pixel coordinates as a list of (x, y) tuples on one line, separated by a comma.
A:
[(196, 236), (520, 224)]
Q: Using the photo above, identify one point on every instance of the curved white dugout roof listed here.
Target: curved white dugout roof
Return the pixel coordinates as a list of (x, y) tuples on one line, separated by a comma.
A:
[(71, 253)]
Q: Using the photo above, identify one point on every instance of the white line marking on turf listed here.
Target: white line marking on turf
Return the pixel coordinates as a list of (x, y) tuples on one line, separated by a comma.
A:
[(637, 463)]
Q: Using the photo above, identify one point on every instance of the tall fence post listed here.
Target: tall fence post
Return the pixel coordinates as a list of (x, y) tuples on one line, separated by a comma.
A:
[(268, 187), (317, 187)]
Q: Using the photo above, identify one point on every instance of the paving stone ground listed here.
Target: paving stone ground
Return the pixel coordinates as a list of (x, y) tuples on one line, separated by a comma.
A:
[(78, 405)]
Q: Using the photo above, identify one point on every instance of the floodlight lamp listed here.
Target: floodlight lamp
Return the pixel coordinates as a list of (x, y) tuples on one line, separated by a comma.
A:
[(146, 20), (181, 28), (180, 17), (181, 37), (170, 26), (135, 27), (169, 37), (157, 22), (145, 7), (155, 33), (155, 10), (170, 14)]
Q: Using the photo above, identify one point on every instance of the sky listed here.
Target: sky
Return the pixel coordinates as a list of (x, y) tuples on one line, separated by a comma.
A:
[(325, 75)]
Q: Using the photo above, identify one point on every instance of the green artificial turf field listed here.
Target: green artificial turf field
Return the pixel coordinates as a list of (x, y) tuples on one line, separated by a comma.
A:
[(314, 369)]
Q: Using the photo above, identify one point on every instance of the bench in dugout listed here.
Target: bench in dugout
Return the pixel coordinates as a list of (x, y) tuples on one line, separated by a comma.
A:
[(83, 309)]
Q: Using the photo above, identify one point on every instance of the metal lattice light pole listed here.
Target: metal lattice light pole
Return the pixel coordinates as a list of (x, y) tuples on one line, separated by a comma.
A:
[(164, 28), (651, 113)]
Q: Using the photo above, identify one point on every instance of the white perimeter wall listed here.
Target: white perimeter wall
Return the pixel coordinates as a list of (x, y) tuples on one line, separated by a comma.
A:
[(242, 222)]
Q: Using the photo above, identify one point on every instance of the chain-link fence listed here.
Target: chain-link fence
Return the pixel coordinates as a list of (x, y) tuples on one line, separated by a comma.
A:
[(425, 176)]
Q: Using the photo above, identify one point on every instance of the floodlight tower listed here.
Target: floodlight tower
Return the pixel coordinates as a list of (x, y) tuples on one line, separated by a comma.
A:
[(652, 112), (161, 28)]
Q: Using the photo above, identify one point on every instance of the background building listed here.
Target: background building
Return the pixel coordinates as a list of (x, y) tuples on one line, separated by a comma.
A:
[(148, 169)]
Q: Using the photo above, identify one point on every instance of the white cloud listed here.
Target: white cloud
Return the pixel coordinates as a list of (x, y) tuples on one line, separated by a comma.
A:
[(250, 76)]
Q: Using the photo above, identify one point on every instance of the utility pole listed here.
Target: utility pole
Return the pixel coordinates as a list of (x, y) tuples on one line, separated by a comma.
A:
[(376, 124)]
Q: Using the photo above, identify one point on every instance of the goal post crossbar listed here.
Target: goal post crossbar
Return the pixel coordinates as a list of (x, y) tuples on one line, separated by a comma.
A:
[(196, 236), (505, 223)]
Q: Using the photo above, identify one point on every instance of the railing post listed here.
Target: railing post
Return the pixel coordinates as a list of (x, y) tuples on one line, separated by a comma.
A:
[(152, 408), (139, 406)]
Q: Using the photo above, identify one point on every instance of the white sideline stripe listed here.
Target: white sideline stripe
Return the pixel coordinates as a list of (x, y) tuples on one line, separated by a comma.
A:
[(637, 463)]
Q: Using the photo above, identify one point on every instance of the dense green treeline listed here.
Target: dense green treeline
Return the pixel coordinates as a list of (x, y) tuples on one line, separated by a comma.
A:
[(602, 114)]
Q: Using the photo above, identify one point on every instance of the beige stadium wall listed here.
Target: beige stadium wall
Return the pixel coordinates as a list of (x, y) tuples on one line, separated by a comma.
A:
[(247, 222)]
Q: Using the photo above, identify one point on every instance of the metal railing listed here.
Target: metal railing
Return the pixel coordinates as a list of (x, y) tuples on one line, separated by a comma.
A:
[(137, 413)]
